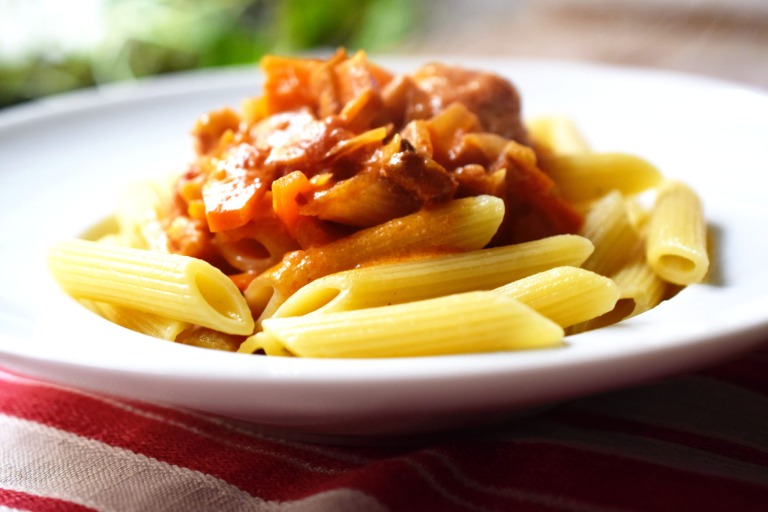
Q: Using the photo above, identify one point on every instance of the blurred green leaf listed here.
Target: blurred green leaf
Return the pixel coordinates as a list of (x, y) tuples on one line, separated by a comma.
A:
[(385, 23), (310, 23), (148, 37)]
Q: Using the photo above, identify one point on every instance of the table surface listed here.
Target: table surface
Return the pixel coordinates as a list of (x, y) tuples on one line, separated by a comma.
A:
[(717, 38)]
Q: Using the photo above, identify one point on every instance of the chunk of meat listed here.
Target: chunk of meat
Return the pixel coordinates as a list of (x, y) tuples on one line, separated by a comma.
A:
[(419, 175), (533, 208), (492, 98)]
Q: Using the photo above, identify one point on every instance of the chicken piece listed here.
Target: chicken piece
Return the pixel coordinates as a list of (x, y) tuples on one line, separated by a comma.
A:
[(493, 99), (419, 175)]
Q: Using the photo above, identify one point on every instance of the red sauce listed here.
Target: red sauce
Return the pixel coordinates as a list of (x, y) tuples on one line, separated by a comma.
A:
[(370, 146)]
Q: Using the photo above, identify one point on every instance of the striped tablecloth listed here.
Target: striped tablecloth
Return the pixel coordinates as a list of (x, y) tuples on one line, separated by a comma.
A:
[(697, 442)]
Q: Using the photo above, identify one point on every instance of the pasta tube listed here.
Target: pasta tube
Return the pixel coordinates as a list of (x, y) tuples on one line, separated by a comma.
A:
[(641, 289), (588, 176), (138, 217), (610, 228), (204, 337), (169, 285), (565, 295), (460, 225), (264, 343), (395, 283), (255, 247), (676, 245), (455, 324), (558, 135), (640, 284), (139, 321)]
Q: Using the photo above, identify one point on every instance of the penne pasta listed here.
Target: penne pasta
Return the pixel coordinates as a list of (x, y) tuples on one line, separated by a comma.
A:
[(138, 218), (353, 212), (169, 285), (621, 310), (637, 213), (462, 323), (204, 337), (676, 246), (460, 225), (557, 135), (263, 343), (589, 176), (396, 283), (565, 295), (255, 247), (611, 230), (640, 289), (640, 284), (139, 321)]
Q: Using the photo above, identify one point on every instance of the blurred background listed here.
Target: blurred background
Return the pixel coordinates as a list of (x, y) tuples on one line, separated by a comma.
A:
[(51, 46)]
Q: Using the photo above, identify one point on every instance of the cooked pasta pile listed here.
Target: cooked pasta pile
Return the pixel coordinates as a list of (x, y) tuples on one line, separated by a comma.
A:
[(351, 212)]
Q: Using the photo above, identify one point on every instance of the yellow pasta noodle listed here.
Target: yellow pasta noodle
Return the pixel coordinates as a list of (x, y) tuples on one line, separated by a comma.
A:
[(640, 284), (261, 342), (557, 135), (138, 218), (454, 324), (351, 212), (676, 246), (395, 283), (255, 247), (169, 285), (610, 229), (641, 289), (566, 295), (204, 337), (459, 225), (139, 321), (589, 176)]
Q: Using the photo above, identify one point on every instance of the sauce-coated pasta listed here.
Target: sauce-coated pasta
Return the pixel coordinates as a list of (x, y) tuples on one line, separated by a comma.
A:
[(346, 197)]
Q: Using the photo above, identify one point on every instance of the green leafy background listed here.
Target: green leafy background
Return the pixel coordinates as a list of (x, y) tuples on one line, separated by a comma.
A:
[(149, 37)]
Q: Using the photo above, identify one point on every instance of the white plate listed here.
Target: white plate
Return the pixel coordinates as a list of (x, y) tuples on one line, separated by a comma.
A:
[(64, 161)]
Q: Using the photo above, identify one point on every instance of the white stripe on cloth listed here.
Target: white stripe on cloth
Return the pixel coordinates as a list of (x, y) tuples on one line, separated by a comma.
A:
[(3, 508), (152, 416), (231, 425), (48, 462)]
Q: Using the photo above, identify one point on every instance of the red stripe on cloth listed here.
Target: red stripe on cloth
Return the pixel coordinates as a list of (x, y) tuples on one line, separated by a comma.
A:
[(403, 484), (526, 470), (529, 475), (33, 503), (710, 444), (224, 429), (538, 476), (391, 477), (205, 425), (258, 466)]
